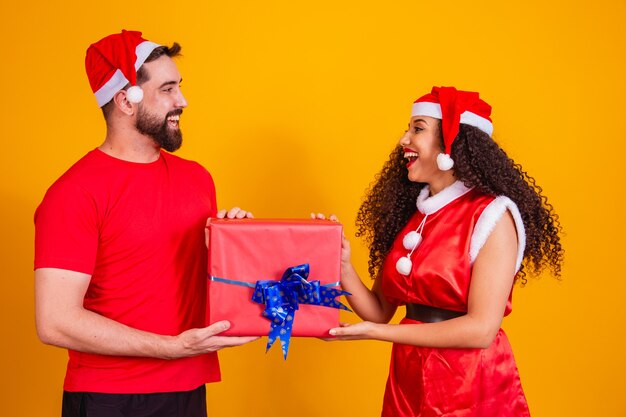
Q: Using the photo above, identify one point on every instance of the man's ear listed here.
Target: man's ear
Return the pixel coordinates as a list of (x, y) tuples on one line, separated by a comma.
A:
[(122, 103)]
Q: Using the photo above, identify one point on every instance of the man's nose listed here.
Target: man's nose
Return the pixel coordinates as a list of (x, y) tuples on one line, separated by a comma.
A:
[(181, 101)]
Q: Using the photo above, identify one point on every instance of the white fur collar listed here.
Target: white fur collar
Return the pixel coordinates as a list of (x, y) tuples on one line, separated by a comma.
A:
[(429, 205)]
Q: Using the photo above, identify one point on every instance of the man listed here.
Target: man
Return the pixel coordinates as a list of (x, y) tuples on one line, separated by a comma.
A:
[(120, 255)]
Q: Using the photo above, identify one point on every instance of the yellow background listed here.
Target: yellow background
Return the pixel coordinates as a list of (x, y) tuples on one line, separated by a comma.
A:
[(294, 106)]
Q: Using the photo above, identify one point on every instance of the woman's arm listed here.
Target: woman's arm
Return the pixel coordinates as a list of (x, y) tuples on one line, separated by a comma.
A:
[(368, 304), (491, 283)]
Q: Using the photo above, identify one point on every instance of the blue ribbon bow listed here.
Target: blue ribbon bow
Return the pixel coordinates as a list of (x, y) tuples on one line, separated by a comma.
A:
[(282, 299)]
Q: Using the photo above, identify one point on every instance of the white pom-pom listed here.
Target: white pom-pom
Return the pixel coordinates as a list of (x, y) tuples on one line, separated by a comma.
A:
[(444, 162), (134, 94), (404, 265), (411, 240)]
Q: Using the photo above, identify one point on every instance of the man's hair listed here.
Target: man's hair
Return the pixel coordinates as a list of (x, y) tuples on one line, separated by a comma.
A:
[(174, 50), (142, 74)]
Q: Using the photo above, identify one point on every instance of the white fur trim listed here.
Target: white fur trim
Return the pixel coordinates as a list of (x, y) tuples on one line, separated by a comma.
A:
[(487, 222), (108, 90), (426, 108), (475, 120), (143, 50), (429, 205)]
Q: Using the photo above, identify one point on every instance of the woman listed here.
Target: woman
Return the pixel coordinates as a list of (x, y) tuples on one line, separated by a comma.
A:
[(480, 222)]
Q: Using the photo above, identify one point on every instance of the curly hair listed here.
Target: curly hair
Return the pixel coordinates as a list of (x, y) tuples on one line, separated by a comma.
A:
[(478, 162)]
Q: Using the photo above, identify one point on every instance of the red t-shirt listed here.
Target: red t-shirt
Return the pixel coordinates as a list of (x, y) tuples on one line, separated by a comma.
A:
[(138, 230)]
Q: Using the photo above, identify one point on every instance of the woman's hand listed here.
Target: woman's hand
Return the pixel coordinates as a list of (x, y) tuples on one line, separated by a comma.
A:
[(358, 331), (366, 303), (346, 252)]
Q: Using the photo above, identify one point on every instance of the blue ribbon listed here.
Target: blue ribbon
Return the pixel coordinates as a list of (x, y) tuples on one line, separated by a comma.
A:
[(282, 299)]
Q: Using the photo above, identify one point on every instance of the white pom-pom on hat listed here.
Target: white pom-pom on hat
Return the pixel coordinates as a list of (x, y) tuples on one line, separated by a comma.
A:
[(404, 265), (134, 94), (444, 162)]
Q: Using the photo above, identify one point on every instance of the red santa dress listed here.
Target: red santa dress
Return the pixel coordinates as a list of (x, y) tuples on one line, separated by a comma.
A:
[(429, 382)]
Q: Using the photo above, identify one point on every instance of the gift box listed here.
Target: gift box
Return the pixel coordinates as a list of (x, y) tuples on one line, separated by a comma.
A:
[(269, 260)]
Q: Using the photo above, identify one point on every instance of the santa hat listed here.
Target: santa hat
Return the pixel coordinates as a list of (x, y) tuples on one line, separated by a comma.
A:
[(112, 62), (453, 107)]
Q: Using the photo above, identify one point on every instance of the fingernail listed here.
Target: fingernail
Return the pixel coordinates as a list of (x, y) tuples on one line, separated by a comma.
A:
[(332, 331)]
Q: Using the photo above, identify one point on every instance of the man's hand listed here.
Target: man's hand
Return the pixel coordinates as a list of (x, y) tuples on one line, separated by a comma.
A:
[(234, 213), (199, 341), (63, 321)]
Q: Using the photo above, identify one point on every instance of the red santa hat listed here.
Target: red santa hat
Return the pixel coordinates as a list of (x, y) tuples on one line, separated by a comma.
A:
[(453, 107), (112, 63)]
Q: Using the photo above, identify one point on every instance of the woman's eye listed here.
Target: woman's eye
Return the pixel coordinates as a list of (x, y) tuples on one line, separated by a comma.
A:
[(417, 129)]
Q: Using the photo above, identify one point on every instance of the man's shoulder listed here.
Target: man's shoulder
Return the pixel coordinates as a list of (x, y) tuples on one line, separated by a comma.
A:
[(72, 188), (81, 171)]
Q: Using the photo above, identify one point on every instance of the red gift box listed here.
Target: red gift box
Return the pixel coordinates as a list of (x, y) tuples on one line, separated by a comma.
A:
[(249, 250)]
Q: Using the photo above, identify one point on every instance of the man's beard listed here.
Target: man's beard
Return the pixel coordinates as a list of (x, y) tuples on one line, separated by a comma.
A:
[(150, 125)]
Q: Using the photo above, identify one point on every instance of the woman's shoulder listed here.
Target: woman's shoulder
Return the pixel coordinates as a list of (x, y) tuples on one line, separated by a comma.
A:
[(491, 214)]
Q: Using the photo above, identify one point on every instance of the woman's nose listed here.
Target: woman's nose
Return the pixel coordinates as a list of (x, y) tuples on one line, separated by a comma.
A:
[(405, 139)]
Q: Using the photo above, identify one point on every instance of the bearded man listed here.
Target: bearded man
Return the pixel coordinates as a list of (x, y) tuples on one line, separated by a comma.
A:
[(120, 255)]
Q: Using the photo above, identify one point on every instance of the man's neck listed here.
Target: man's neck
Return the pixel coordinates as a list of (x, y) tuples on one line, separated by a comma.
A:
[(130, 146)]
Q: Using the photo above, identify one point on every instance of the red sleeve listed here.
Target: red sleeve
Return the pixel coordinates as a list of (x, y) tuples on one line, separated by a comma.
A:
[(66, 229), (207, 179), (213, 196)]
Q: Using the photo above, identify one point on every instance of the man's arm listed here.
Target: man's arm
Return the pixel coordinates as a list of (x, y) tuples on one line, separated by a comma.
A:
[(63, 321)]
